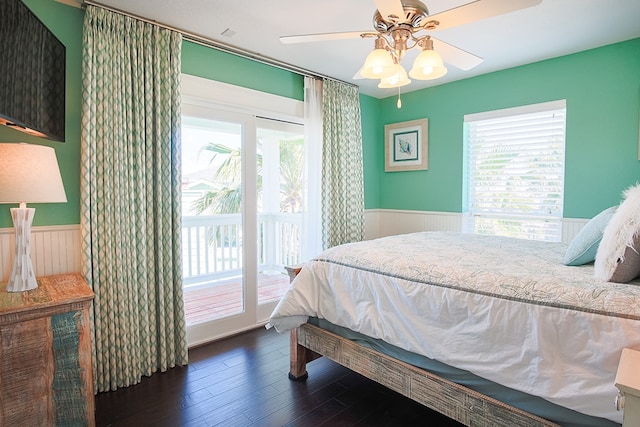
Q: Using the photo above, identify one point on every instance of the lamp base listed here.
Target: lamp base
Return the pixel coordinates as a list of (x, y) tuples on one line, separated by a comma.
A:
[(22, 276)]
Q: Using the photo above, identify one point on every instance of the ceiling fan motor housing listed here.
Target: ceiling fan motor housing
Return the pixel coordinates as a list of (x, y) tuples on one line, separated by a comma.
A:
[(415, 12)]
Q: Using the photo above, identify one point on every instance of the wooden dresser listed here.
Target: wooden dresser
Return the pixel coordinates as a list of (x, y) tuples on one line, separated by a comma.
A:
[(45, 354)]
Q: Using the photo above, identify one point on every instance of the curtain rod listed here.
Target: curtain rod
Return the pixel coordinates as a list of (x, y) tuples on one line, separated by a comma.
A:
[(207, 42)]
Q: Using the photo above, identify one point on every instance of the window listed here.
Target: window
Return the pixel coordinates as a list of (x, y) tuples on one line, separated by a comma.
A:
[(514, 165)]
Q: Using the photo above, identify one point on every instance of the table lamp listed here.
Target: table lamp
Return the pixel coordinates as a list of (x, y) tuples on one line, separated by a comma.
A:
[(29, 173)]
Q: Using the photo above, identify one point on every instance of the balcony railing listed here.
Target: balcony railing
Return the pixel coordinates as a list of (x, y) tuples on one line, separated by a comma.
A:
[(212, 245)]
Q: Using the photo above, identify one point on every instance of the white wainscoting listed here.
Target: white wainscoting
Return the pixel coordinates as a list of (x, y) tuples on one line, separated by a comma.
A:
[(387, 222), (571, 227), (54, 250)]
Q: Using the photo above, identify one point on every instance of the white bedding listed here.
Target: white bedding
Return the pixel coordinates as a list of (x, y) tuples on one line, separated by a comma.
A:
[(505, 309)]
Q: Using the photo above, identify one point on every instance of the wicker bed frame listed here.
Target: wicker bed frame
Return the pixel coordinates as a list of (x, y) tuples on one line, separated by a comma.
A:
[(308, 342), (466, 406)]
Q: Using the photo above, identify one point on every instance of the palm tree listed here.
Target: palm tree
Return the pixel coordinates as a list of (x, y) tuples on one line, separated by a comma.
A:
[(291, 161), (228, 198)]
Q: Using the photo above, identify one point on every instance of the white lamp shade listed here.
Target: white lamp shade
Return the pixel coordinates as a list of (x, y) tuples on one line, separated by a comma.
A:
[(397, 79), (29, 173), (378, 65), (427, 66)]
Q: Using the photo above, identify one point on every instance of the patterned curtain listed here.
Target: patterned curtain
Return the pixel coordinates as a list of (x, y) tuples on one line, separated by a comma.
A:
[(342, 175), (130, 196)]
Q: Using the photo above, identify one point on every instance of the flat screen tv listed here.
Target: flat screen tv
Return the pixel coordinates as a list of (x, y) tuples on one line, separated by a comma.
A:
[(32, 73)]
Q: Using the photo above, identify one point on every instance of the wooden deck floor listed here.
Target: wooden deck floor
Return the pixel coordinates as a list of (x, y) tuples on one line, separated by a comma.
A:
[(220, 300)]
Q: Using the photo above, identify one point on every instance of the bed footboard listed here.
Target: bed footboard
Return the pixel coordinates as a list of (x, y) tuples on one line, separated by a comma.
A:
[(455, 401)]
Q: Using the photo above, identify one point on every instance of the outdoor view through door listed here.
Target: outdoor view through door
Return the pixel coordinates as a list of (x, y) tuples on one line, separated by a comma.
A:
[(213, 193)]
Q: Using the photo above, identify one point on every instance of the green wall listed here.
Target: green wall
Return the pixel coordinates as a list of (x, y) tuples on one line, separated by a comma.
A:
[(208, 63), (602, 89), (373, 156)]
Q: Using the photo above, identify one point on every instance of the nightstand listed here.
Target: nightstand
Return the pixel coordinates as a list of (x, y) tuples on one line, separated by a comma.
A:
[(46, 372), (628, 382)]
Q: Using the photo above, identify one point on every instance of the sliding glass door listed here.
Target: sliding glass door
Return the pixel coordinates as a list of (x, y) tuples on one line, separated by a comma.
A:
[(279, 202), (242, 204), (212, 218)]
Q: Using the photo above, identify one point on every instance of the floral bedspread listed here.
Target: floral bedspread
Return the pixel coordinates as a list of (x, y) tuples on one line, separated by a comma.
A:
[(518, 269)]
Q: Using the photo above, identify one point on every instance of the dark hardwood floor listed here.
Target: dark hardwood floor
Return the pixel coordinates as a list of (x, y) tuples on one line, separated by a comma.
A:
[(242, 381)]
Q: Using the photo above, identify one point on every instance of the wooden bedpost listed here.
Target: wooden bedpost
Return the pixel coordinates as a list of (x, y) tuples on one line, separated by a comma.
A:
[(299, 355), (298, 358)]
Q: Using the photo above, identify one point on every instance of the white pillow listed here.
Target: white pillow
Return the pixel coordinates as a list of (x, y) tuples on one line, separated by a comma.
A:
[(618, 256)]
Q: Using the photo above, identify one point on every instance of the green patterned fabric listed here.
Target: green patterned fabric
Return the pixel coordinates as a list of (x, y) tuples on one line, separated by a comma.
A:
[(342, 176), (130, 196)]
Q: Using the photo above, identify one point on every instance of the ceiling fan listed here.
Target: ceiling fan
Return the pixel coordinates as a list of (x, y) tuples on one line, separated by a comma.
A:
[(400, 25)]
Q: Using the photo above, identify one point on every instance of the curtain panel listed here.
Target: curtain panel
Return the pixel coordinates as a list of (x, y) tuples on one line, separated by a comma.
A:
[(130, 196), (312, 186), (342, 167)]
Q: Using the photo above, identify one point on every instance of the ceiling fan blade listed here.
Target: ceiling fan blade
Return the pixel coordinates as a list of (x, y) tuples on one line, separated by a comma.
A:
[(455, 56), (477, 10), (306, 38), (390, 8)]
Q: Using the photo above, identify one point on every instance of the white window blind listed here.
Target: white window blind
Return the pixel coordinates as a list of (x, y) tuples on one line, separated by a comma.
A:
[(515, 171)]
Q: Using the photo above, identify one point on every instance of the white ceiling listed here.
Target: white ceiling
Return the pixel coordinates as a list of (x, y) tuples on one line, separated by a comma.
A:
[(550, 29)]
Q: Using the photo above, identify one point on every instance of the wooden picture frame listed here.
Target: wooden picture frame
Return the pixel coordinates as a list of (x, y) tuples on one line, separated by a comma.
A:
[(406, 146)]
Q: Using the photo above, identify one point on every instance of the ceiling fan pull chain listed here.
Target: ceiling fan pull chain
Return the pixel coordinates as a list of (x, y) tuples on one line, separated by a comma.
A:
[(399, 104)]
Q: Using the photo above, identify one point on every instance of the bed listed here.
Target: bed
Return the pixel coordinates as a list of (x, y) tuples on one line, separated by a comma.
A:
[(522, 340)]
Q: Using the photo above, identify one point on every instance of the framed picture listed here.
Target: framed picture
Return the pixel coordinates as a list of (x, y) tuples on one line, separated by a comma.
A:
[(406, 146)]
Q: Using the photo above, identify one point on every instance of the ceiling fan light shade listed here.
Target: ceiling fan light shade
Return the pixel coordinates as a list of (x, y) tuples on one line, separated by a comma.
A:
[(397, 79), (378, 65), (427, 66)]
